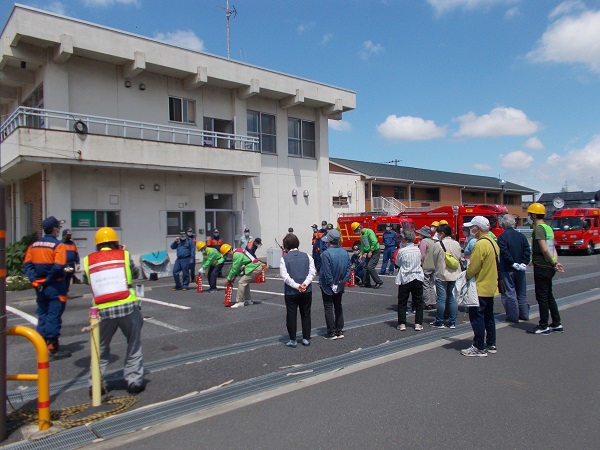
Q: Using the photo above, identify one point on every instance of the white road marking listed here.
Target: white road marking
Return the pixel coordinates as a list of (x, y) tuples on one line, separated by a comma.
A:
[(22, 314), (158, 302), (163, 324)]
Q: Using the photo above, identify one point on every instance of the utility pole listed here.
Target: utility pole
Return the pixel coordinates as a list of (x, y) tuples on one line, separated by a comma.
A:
[(228, 13)]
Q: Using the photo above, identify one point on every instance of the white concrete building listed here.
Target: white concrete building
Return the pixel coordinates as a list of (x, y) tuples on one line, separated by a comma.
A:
[(103, 127)]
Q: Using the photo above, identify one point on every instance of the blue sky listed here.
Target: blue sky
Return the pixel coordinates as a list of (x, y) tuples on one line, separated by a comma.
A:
[(503, 88)]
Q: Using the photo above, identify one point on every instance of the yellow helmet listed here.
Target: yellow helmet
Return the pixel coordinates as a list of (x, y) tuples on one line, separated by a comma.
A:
[(443, 222), (354, 226), (200, 245), (225, 248), (536, 208), (435, 223), (106, 234)]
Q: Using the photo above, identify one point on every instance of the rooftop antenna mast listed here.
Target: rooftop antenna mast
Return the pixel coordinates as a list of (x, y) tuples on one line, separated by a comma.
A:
[(395, 161), (228, 14)]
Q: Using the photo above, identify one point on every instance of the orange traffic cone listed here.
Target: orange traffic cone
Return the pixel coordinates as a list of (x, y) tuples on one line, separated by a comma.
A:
[(228, 291), (199, 284)]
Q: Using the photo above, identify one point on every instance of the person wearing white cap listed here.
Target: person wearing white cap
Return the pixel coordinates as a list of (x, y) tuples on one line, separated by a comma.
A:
[(484, 267)]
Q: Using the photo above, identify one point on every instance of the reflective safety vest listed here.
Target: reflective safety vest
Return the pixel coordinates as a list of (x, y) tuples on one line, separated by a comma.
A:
[(108, 275)]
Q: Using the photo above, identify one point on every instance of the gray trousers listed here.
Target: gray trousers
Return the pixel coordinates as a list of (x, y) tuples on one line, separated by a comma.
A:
[(131, 326), (371, 268), (429, 292), (243, 292)]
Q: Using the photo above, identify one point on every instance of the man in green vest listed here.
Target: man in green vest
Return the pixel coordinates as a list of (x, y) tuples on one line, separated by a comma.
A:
[(545, 265), (242, 261), (369, 246)]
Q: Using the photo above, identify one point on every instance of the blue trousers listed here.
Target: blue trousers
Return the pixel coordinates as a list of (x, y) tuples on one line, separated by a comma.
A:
[(50, 309), (182, 266), (388, 256), (483, 323), (514, 299)]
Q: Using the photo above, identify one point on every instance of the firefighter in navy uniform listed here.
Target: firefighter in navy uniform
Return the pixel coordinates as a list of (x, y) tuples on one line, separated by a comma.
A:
[(44, 264), (109, 272), (72, 257)]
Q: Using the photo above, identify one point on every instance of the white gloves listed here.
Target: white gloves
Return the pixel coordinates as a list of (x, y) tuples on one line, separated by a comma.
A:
[(520, 267), (334, 288), (523, 267), (201, 272)]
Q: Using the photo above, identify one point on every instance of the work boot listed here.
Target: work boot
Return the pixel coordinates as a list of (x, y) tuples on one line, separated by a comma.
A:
[(54, 352)]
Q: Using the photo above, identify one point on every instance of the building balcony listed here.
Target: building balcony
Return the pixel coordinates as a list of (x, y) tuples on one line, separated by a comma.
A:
[(45, 136)]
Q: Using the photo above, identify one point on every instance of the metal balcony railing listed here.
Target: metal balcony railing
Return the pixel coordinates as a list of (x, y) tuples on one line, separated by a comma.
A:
[(107, 126), (388, 205)]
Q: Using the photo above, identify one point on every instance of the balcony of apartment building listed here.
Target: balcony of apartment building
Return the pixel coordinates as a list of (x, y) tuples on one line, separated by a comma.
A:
[(30, 137)]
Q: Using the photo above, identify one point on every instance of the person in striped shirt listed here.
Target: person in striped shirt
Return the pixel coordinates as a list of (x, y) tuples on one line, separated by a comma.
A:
[(409, 279)]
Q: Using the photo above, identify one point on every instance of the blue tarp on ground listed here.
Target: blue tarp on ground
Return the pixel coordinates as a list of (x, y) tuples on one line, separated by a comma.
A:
[(156, 262)]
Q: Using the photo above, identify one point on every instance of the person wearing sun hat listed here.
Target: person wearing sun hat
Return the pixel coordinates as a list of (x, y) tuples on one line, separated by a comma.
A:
[(428, 264)]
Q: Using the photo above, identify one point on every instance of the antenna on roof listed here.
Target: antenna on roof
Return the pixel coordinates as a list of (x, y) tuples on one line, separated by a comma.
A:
[(395, 161), (228, 14)]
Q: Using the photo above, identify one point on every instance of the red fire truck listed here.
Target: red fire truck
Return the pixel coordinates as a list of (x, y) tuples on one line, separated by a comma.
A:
[(456, 216), (576, 230), (373, 221)]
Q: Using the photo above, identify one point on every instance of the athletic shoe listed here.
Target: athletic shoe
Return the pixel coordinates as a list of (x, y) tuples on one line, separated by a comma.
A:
[(340, 335), (378, 285), (305, 342), (556, 328), (452, 326), (401, 327), (539, 330), (175, 289), (473, 351), (291, 344), (435, 324), (248, 302), (238, 305), (418, 327), (492, 349), (331, 336)]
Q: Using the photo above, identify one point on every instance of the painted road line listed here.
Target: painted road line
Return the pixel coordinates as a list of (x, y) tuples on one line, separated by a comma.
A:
[(163, 324), (158, 302), (22, 314)]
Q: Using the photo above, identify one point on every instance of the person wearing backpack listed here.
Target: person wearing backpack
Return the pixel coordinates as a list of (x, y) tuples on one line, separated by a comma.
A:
[(446, 257), (545, 266)]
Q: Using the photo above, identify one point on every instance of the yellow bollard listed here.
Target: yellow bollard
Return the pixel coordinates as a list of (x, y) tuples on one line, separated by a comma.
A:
[(43, 373), (95, 357)]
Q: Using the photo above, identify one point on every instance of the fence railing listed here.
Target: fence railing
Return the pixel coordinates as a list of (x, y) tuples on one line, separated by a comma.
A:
[(389, 205), (107, 126)]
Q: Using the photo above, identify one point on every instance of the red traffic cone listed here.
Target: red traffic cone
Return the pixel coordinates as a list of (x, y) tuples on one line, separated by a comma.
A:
[(199, 284), (228, 291), (351, 283)]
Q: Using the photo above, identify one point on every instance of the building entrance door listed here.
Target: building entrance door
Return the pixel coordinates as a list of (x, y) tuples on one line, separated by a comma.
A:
[(219, 215)]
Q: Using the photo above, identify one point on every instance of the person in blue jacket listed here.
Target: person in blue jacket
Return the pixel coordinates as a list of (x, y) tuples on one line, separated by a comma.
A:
[(390, 243), (186, 254)]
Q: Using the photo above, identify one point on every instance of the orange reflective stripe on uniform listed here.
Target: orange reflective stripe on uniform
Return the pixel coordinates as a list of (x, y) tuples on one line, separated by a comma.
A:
[(108, 276)]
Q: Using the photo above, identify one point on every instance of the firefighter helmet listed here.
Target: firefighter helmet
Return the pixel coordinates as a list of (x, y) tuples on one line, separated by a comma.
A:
[(443, 222), (106, 234), (225, 248), (354, 226), (536, 208), (200, 245), (435, 223)]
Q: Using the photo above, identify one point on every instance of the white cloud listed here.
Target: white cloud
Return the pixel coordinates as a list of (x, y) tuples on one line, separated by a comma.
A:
[(103, 3), (571, 39), (181, 38), (370, 48), (516, 160), (499, 122), (566, 8), (511, 13), (577, 167), (407, 128), (442, 6), (482, 166), (54, 7), (326, 38), (301, 28), (534, 143), (340, 125)]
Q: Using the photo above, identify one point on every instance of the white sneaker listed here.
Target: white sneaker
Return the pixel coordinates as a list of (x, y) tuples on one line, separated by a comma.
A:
[(473, 351), (238, 305), (401, 327), (418, 327), (248, 302)]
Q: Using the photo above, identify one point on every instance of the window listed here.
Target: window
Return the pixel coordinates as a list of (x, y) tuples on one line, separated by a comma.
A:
[(95, 219), (400, 192), (182, 110), (340, 201), (220, 132), (262, 126), (367, 195), (35, 100), (180, 220), (376, 190), (301, 138)]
